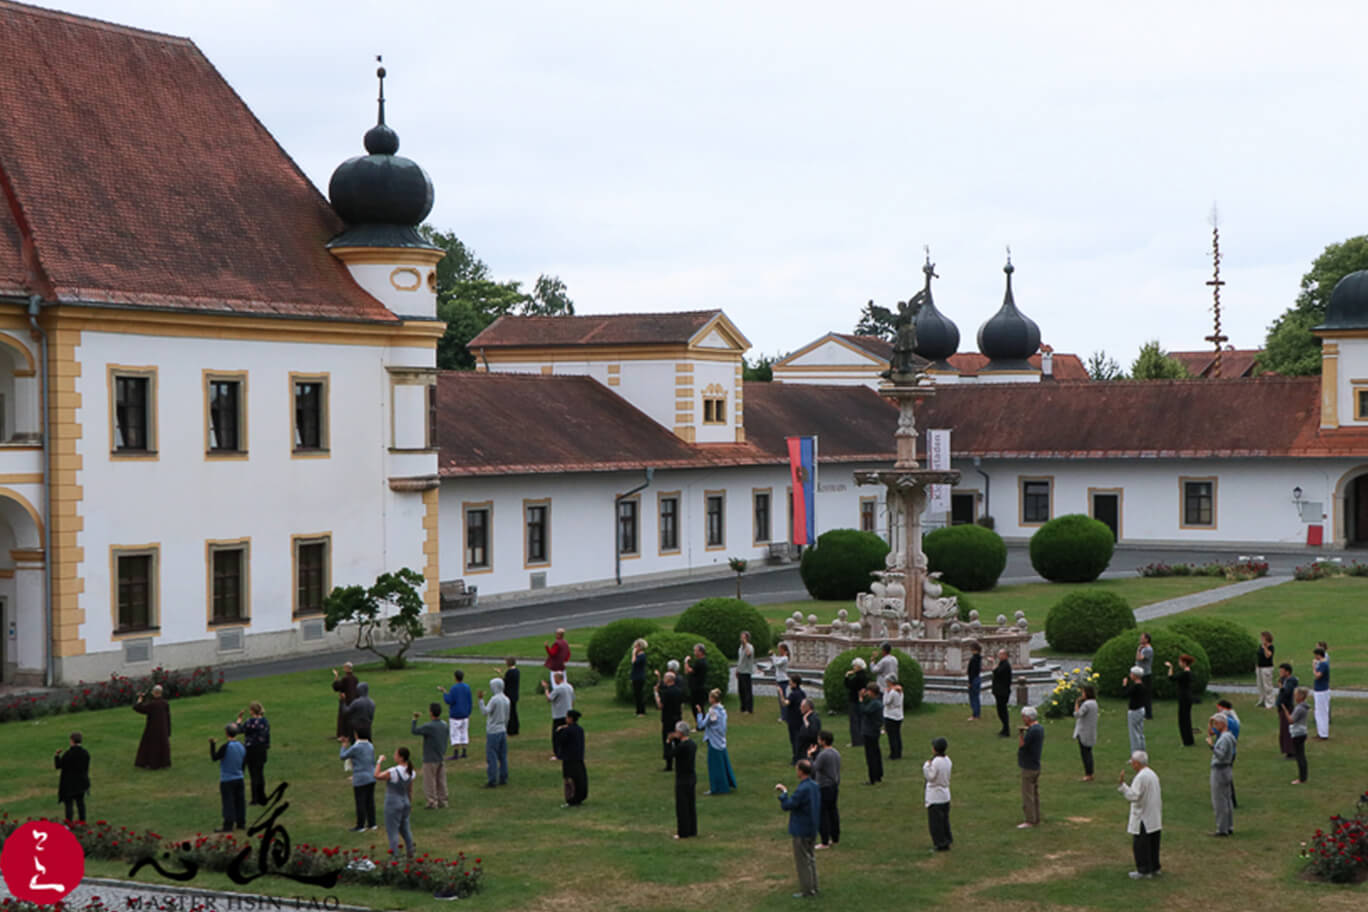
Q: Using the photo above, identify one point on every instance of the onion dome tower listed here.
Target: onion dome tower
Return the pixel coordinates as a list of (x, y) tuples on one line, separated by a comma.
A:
[(383, 198), (937, 335), (1009, 338), (1344, 354)]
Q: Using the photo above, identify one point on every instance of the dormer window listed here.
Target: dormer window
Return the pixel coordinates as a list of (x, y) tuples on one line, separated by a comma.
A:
[(714, 404)]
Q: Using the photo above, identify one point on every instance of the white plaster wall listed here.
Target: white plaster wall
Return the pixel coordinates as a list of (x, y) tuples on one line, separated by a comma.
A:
[(1353, 364), (723, 374), (872, 380), (648, 385), (379, 280), (832, 352)]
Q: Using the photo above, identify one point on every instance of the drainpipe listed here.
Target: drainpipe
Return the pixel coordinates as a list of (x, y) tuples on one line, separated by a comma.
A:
[(617, 539), (34, 306), (987, 482)]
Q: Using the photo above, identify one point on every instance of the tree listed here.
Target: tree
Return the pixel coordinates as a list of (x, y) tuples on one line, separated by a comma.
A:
[(366, 609), (549, 299), (738, 566), (877, 321), (1102, 366), (1289, 347), (761, 369), (1154, 364)]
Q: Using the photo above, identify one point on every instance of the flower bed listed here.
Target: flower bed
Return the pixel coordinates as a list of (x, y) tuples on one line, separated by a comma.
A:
[(217, 851), (117, 691), (1340, 855), (1323, 569), (1235, 571), (1060, 703)]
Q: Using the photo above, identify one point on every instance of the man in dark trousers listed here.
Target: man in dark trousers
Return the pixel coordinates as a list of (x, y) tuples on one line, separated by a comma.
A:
[(680, 750), (810, 729), (511, 678), (805, 812), (1002, 690), (793, 714), (75, 780), (344, 684), (669, 697), (570, 747), (231, 758), (871, 723), (826, 769), (696, 668)]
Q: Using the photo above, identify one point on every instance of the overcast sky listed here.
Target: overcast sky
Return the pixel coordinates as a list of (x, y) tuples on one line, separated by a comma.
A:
[(787, 161)]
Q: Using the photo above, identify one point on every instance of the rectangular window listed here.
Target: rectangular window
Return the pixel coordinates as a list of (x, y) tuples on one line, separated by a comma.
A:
[(1199, 503), (312, 574), (715, 410), (761, 502), (477, 556), (133, 408), (868, 514), (225, 409), (310, 413), (135, 584), (1035, 500), (714, 509), (1360, 404), (669, 522), (627, 526), (228, 583), (538, 517), (432, 417)]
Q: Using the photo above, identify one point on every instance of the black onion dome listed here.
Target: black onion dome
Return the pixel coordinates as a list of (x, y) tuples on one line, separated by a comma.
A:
[(937, 335), (1009, 338), (1348, 307)]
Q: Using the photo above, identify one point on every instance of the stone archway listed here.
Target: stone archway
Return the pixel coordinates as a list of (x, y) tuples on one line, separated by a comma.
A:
[(23, 650), (1351, 508)]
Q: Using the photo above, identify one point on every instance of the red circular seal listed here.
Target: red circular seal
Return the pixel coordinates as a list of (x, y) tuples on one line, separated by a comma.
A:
[(42, 862)]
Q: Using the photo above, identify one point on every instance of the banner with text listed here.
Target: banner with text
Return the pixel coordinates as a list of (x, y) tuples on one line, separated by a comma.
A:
[(938, 459)]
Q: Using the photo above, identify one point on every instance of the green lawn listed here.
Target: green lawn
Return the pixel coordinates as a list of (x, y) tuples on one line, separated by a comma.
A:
[(616, 851)]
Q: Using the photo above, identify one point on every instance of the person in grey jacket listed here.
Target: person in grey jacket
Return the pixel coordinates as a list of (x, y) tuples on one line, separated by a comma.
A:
[(1222, 744), (361, 753), (826, 769), (496, 733), (561, 696), (434, 733), (359, 714), (1296, 729), (1085, 728), (745, 672)]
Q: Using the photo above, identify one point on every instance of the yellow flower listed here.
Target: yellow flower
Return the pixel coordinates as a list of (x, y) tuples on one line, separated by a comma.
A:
[(1075, 671)]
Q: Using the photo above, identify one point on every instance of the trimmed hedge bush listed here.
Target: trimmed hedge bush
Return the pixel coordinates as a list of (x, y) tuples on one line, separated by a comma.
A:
[(1082, 621), (721, 620), (833, 679), (839, 567), (1229, 647), (663, 646), (609, 642), (1072, 549), (1115, 657), (968, 557)]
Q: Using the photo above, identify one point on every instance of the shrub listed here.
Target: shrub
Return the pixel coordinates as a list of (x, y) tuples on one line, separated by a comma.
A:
[(841, 564), (580, 678), (1234, 571), (1084, 620), (986, 521), (1340, 854), (611, 641), (909, 676), (968, 557), (1060, 703), (1229, 647), (666, 645), (721, 620), (1115, 657), (1072, 549), (117, 691)]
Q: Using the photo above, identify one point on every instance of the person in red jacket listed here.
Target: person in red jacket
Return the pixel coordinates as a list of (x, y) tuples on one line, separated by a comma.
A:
[(557, 654)]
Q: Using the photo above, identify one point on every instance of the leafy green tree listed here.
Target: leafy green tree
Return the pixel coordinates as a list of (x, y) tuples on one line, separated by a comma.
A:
[(366, 607), (1154, 364), (549, 299), (1289, 347), (761, 369), (877, 321), (1102, 366)]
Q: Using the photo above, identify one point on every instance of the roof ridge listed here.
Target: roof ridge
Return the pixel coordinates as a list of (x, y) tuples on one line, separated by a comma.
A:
[(91, 22), (594, 316)]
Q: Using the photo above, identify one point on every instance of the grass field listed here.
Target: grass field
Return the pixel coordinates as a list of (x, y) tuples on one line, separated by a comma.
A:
[(616, 852)]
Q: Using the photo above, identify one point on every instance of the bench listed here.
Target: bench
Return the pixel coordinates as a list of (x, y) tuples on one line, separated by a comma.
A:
[(782, 553), (457, 596)]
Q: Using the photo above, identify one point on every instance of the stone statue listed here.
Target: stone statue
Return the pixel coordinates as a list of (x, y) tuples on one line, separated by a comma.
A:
[(905, 338)]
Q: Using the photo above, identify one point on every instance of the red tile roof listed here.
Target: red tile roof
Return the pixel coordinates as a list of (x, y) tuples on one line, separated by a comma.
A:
[(852, 422), (1235, 362), (1066, 367), (594, 329), (140, 178), (874, 345)]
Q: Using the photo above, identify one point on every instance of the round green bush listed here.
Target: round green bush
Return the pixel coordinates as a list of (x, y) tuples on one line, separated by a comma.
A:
[(1115, 657), (1229, 647), (839, 567), (663, 646), (1084, 620), (833, 679), (968, 557), (610, 641), (721, 620), (1072, 549)]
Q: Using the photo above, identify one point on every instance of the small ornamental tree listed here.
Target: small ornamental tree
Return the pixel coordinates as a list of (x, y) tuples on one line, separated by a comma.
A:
[(721, 620), (968, 557), (368, 609), (1072, 549), (842, 564), (1084, 620)]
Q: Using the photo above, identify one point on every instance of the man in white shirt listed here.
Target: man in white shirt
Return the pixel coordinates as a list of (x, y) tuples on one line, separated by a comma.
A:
[(937, 773), (1146, 815), (885, 667)]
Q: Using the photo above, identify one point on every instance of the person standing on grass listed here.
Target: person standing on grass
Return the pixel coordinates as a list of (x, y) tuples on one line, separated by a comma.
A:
[(256, 732), (1222, 744), (893, 717), (1144, 657), (557, 653), (434, 733), (1263, 672), (779, 659), (1134, 686), (1225, 708), (745, 669), (570, 746), (681, 753), (826, 769), (1287, 688), (75, 779), (885, 667), (805, 819), (696, 670), (936, 771), (638, 676), (1030, 745), (1002, 689), (855, 680), (345, 686), (496, 733), (793, 713), (398, 781), (561, 696), (459, 706), (1320, 670), (1296, 730), (361, 753), (154, 750), (359, 713), (1146, 820), (1182, 682), (975, 675), (871, 719), (811, 728), (669, 698), (712, 724), (232, 794), (512, 677), (1085, 728)]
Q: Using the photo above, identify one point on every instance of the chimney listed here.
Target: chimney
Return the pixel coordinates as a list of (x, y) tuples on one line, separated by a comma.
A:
[(1046, 361)]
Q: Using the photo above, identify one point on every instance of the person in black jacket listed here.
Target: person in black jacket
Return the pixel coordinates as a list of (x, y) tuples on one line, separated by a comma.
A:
[(670, 700), (793, 713), (871, 723), (855, 680), (696, 668), (75, 781), (570, 747), (974, 672), (683, 752), (511, 678), (810, 729), (1002, 689)]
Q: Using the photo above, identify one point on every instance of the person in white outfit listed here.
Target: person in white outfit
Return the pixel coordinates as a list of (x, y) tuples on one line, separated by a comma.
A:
[(937, 774), (1146, 815)]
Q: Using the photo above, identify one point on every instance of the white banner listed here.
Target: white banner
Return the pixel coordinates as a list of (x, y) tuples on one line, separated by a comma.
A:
[(938, 457)]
